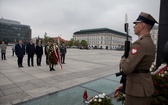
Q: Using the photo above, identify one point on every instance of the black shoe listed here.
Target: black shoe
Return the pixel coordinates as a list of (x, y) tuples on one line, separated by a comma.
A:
[(21, 66), (53, 69), (28, 65), (32, 65)]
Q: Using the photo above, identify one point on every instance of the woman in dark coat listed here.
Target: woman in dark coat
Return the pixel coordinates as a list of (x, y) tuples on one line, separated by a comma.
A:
[(39, 53)]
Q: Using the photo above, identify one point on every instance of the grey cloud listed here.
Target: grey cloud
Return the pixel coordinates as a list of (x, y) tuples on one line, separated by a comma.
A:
[(67, 16)]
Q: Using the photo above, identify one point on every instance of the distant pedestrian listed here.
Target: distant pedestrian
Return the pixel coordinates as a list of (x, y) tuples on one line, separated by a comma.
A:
[(39, 53), (30, 50), (3, 50), (48, 43), (20, 52), (13, 50), (63, 51)]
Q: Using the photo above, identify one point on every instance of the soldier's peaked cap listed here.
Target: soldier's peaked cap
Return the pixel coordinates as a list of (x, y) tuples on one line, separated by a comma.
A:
[(146, 18)]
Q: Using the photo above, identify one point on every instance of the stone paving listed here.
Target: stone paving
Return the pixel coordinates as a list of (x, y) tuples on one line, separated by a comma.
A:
[(22, 84)]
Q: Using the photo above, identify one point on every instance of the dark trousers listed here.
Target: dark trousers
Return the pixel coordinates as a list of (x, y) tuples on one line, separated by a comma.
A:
[(3, 56), (47, 60), (32, 60), (51, 66), (62, 58), (39, 60), (13, 52), (20, 60)]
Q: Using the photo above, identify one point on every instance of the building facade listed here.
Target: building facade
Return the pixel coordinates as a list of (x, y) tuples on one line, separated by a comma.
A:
[(154, 34), (102, 38), (11, 31)]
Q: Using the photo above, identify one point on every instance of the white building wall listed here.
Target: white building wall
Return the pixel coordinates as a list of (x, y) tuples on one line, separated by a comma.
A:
[(103, 40)]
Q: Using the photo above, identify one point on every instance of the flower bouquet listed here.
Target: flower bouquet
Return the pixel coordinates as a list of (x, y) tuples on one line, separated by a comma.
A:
[(119, 96), (160, 81), (101, 99), (53, 59)]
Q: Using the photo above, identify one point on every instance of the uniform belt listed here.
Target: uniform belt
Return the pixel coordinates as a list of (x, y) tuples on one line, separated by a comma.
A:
[(141, 71)]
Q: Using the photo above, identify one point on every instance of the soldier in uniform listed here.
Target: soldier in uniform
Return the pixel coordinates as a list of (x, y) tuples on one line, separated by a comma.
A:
[(139, 85)]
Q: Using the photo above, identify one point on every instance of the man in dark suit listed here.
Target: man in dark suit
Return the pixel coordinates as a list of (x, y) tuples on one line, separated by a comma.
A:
[(63, 51), (39, 53), (20, 52), (30, 50), (46, 53)]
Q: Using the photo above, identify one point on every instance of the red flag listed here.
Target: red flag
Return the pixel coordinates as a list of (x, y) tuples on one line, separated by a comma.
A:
[(85, 96)]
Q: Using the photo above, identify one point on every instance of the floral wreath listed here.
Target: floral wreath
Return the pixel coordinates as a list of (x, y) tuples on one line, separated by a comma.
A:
[(51, 54), (160, 81)]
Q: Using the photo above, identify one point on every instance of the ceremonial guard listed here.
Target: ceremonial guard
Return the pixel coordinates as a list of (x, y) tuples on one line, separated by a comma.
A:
[(139, 84), (53, 55)]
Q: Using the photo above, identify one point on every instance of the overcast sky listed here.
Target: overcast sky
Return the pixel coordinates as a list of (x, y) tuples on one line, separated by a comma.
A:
[(64, 17)]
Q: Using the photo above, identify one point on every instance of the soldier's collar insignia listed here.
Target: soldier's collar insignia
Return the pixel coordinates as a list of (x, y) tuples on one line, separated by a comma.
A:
[(134, 51)]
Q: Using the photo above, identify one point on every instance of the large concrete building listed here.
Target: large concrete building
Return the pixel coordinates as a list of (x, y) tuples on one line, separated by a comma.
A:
[(102, 38), (11, 31)]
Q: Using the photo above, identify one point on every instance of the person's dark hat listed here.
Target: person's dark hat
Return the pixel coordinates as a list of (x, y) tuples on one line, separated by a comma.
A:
[(146, 18)]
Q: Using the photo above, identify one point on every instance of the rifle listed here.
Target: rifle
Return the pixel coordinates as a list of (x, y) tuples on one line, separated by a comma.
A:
[(126, 53)]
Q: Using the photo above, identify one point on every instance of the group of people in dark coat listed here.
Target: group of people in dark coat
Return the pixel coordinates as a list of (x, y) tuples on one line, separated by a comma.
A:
[(30, 50)]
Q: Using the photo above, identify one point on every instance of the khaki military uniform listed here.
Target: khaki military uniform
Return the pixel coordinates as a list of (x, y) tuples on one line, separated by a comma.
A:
[(141, 56)]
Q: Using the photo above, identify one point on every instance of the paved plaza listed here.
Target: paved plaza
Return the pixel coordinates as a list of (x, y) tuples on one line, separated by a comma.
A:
[(22, 84)]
